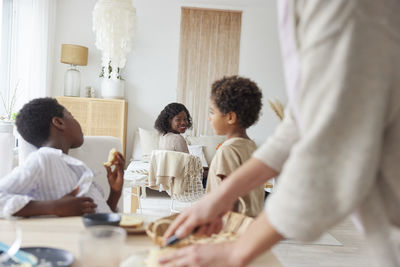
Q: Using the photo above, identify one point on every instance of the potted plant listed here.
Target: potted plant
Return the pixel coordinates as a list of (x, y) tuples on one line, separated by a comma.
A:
[(111, 87)]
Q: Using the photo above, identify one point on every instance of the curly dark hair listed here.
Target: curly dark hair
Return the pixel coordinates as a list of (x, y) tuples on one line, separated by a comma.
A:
[(162, 123), (239, 95), (34, 119)]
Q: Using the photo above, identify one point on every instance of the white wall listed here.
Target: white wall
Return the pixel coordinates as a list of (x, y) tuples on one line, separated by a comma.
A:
[(152, 67)]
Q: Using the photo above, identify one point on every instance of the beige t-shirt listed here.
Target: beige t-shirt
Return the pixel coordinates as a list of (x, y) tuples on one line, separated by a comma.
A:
[(173, 142), (229, 156)]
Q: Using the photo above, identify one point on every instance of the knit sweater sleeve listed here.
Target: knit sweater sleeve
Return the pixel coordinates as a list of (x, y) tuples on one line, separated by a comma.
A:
[(342, 103), (275, 151)]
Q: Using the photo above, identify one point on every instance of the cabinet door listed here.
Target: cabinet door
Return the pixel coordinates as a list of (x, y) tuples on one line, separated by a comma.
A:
[(107, 118), (80, 109), (99, 117)]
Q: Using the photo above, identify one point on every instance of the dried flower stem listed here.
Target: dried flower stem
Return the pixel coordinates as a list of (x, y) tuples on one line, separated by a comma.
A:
[(9, 103), (277, 107)]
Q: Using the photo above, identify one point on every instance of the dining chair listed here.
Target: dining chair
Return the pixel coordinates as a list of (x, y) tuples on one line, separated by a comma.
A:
[(179, 174)]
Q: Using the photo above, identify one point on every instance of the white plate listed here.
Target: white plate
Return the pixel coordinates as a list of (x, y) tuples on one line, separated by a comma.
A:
[(138, 230)]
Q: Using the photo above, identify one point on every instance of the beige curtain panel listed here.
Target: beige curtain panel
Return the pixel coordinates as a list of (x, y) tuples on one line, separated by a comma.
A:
[(209, 50)]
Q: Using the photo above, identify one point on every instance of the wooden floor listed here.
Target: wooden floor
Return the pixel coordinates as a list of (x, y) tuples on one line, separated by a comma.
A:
[(352, 253)]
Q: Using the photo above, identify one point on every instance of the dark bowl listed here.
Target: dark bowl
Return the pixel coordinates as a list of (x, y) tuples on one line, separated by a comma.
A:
[(101, 219)]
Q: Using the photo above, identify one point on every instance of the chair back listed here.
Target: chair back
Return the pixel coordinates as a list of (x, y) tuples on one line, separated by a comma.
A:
[(179, 174)]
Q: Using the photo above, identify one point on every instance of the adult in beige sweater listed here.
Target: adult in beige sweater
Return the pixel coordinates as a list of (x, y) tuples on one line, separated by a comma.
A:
[(338, 150)]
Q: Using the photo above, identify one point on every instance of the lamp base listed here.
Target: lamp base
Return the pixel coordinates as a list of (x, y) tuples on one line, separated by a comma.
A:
[(72, 82)]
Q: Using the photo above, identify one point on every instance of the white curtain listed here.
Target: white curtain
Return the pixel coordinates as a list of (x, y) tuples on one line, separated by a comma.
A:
[(31, 54)]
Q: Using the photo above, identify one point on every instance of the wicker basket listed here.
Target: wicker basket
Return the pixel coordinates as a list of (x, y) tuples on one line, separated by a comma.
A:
[(233, 222), (155, 230)]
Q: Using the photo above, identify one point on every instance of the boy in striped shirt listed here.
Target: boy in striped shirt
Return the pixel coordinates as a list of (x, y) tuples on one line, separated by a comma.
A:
[(50, 182)]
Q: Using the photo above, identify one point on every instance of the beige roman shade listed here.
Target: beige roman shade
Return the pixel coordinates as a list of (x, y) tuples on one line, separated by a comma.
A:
[(209, 50)]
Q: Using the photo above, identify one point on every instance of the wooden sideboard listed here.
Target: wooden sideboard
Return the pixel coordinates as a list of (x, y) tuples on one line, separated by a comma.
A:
[(99, 117)]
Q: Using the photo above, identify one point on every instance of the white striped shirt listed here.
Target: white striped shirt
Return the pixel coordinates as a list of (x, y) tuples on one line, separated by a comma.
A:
[(48, 174)]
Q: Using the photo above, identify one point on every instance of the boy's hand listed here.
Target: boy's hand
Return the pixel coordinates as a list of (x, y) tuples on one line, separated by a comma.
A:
[(70, 205), (116, 176)]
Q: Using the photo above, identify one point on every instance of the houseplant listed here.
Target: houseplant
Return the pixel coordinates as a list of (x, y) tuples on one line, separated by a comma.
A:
[(111, 87), (114, 23)]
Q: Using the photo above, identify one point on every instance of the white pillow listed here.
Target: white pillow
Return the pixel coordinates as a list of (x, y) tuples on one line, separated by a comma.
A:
[(209, 143), (148, 141), (192, 140), (197, 150)]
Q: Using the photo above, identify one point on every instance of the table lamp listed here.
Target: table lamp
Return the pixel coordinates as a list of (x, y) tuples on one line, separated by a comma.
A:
[(75, 55)]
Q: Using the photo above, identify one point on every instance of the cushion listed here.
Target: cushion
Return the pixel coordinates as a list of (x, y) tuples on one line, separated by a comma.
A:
[(192, 140), (209, 143), (197, 150), (137, 149), (148, 141)]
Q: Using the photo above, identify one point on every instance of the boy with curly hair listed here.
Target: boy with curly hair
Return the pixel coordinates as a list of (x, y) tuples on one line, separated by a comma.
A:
[(235, 105), (50, 182)]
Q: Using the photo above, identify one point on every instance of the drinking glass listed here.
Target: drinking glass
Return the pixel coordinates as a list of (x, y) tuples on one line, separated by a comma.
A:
[(101, 245)]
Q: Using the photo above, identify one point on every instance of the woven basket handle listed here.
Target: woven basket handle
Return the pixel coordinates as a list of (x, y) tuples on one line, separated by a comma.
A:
[(160, 222), (242, 205)]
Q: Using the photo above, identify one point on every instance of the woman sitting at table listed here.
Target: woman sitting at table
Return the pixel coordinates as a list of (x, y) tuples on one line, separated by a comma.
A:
[(173, 121)]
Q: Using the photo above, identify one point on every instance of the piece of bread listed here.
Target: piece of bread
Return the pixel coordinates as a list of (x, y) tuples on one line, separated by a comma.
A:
[(111, 157), (131, 222)]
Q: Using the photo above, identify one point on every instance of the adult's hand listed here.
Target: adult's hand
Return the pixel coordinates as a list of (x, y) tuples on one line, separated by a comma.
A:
[(222, 254), (258, 238), (207, 212), (205, 215)]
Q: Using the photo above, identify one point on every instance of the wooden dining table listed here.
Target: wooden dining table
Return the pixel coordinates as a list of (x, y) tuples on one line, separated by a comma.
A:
[(65, 233)]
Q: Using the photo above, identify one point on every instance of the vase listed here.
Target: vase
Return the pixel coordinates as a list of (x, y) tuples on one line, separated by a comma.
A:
[(113, 88), (7, 143)]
